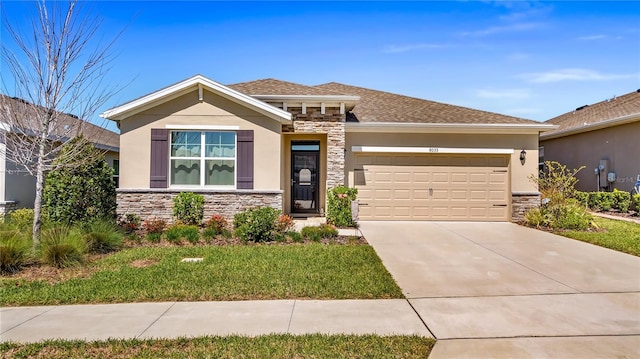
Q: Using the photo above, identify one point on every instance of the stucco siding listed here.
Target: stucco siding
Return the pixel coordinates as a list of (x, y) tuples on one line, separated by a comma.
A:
[(619, 144), (135, 138)]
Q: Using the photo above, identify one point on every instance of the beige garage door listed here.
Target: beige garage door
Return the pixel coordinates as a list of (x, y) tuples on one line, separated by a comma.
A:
[(432, 187)]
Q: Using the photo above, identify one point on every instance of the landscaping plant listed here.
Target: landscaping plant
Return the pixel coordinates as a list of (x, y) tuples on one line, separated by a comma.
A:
[(188, 208), (317, 233), (256, 224), (80, 193), (153, 228), (178, 231), (15, 249), (129, 223), (339, 206), (62, 246), (102, 236)]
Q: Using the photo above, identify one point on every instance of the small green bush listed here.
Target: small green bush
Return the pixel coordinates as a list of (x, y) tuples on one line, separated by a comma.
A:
[(601, 201), (570, 215), (216, 225), (295, 236), (636, 202), (102, 236), (154, 225), (14, 250), (62, 246), (256, 224), (536, 218), (582, 197), (129, 223), (188, 208), (153, 237), (317, 233), (177, 232), (621, 200), (339, 206), (22, 219), (285, 224)]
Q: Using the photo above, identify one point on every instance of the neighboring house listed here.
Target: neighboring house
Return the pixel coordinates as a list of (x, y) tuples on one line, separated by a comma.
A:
[(604, 137), (17, 188), (280, 144)]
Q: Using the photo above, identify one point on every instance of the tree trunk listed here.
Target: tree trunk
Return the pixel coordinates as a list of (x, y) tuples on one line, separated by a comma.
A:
[(37, 205)]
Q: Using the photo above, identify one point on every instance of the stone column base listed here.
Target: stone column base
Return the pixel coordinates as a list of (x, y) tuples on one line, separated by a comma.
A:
[(521, 202)]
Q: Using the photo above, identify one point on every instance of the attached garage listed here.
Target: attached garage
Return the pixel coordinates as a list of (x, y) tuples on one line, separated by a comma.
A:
[(429, 186)]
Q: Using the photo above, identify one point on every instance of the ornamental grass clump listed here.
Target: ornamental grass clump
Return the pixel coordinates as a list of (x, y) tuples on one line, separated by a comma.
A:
[(102, 236), (177, 232), (63, 246), (15, 249)]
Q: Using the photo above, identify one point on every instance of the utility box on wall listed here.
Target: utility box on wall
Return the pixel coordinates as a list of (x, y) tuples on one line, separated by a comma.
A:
[(604, 169)]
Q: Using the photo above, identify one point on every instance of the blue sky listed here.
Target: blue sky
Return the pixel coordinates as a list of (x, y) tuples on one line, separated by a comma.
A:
[(533, 60)]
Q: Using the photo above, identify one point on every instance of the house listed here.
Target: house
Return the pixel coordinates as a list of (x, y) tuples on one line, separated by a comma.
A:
[(281, 144), (17, 188), (604, 137)]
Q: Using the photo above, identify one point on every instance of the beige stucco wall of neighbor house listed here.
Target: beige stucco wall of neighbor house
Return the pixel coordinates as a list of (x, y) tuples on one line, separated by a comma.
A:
[(519, 172), (618, 144), (135, 136)]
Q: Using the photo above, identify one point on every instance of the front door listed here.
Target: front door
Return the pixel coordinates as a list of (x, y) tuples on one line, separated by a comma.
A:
[(305, 164)]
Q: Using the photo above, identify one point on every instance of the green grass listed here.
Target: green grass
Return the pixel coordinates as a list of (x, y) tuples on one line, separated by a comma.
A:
[(268, 346), (227, 273), (618, 235)]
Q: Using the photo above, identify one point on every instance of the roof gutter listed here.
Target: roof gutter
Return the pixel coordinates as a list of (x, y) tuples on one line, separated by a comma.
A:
[(448, 127), (592, 126)]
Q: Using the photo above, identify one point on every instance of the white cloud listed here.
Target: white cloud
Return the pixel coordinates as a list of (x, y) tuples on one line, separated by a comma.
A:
[(571, 75), (391, 49), (511, 94), (593, 37), (524, 26)]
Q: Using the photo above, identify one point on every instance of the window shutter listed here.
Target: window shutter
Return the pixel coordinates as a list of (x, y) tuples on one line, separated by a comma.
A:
[(159, 157), (245, 159)]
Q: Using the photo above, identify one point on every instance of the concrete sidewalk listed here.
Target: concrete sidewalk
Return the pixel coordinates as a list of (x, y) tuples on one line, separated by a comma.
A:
[(190, 319)]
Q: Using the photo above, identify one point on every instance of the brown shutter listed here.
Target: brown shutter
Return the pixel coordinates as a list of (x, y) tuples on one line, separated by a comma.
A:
[(244, 161), (159, 157)]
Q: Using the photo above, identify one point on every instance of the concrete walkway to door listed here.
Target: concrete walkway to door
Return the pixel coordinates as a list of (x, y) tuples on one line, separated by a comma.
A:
[(503, 290)]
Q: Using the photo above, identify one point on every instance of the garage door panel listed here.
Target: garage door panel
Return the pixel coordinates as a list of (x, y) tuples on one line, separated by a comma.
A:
[(433, 187)]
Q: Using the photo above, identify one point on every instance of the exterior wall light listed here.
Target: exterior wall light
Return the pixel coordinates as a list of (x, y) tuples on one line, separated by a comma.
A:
[(523, 155)]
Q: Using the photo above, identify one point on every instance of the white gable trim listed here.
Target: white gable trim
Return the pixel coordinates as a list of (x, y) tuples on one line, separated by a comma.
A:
[(168, 93)]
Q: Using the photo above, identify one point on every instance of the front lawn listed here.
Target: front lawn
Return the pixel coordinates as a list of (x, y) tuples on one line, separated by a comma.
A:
[(618, 235), (268, 346), (313, 271)]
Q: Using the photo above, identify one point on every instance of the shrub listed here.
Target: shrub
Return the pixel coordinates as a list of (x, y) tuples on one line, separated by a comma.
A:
[(570, 215), (153, 237), (582, 197), (556, 182), (600, 201), (102, 236), (256, 224), (537, 218), (636, 202), (621, 200), (284, 224), (129, 223), (62, 246), (21, 219), (177, 232), (295, 236), (317, 233), (216, 225), (188, 208), (155, 226), (14, 250), (82, 192), (339, 206)]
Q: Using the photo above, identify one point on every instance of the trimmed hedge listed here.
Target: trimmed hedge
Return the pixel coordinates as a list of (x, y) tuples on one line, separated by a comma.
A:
[(606, 201)]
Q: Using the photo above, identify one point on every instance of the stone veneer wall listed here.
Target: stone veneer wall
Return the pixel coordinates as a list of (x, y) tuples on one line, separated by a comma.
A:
[(331, 123), (159, 203), (521, 202), (7, 206)]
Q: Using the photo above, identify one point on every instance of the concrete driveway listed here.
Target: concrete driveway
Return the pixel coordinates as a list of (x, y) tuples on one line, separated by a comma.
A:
[(503, 290)]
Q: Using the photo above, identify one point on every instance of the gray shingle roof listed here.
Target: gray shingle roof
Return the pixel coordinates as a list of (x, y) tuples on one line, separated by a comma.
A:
[(380, 106), (277, 87), (625, 105), (69, 125)]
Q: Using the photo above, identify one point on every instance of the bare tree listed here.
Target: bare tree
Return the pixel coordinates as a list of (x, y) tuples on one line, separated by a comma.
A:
[(57, 68)]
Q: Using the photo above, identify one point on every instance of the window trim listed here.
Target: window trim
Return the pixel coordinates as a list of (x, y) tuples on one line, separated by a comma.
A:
[(202, 158)]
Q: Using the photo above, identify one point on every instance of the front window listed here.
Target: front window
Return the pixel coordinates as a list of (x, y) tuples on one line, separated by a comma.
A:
[(203, 159)]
